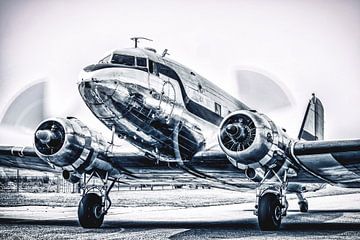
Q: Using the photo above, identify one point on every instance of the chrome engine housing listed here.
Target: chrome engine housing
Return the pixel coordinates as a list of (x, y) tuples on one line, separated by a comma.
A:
[(71, 145), (251, 140)]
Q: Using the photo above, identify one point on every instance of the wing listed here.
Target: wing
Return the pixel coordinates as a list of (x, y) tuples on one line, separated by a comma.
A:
[(23, 157), (335, 162), (211, 168)]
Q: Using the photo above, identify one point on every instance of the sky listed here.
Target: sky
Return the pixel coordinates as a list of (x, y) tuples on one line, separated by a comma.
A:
[(305, 46)]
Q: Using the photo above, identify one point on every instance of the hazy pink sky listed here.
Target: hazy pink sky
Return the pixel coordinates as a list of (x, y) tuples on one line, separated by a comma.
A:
[(309, 46)]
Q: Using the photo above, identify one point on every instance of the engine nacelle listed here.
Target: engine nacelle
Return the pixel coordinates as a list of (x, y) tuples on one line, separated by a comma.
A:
[(251, 141), (68, 143)]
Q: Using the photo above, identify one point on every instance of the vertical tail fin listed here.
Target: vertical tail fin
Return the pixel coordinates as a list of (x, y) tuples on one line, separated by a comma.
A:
[(312, 127)]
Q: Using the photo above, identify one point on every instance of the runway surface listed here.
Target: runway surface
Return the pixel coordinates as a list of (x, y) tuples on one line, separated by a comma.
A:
[(330, 217)]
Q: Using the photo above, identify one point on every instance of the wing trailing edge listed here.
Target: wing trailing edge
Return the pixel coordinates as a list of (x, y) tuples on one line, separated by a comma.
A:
[(336, 162)]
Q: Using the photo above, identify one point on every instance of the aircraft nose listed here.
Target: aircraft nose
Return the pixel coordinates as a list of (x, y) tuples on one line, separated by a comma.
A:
[(98, 91)]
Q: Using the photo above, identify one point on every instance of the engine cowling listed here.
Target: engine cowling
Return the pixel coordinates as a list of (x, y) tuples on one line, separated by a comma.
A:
[(69, 144), (252, 141)]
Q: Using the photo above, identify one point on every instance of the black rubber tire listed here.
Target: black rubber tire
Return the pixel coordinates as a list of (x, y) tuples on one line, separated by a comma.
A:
[(90, 203), (269, 212), (304, 206)]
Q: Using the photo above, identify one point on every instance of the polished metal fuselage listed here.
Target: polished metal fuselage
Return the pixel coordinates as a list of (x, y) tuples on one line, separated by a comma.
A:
[(151, 111), (170, 119)]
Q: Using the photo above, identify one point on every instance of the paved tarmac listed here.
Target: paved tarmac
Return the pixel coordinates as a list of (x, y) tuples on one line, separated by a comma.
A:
[(330, 217)]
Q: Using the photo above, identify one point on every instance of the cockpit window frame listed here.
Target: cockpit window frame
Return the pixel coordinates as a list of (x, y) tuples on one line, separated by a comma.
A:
[(144, 58), (103, 59), (126, 55)]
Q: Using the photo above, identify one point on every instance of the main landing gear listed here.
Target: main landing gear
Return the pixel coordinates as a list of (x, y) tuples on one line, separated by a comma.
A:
[(269, 212), (271, 204), (93, 207)]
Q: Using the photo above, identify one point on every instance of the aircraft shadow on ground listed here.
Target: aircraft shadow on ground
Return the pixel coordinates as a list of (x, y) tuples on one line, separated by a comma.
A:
[(316, 220)]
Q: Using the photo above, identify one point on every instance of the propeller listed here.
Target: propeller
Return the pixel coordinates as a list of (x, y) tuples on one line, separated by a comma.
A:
[(261, 91), (29, 107), (238, 133), (49, 137)]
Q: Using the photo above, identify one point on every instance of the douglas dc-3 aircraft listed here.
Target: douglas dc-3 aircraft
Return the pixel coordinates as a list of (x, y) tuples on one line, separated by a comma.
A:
[(188, 131)]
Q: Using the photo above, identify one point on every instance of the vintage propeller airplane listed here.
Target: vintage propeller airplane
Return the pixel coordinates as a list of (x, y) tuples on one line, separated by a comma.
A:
[(187, 130)]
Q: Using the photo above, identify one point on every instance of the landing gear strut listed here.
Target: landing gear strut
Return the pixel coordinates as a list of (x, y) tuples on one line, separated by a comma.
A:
[(271, 204), (93, 207)]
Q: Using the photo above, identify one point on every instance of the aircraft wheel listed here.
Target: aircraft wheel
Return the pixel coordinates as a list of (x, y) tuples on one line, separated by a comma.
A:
[(89, 211), (269, 212), (304, 206)]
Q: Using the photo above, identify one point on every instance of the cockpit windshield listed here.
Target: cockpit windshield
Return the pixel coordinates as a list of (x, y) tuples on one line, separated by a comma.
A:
[(141, 62), (123, 59), (105, 59)]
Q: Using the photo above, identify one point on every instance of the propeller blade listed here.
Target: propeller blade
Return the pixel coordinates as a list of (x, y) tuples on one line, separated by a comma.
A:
[(261, 92), (27, 109)]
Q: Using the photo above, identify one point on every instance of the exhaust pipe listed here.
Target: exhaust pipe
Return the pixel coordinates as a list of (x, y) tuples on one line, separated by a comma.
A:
[(73, 177), (254, 174)]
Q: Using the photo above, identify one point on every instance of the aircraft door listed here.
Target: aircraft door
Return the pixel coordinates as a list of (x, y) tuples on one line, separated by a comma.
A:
[(162, 87), (167, 100), (196, 89), (155, 82)]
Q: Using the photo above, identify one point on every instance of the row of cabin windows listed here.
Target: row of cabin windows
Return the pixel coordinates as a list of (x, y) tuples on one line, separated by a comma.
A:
[(154, 68)]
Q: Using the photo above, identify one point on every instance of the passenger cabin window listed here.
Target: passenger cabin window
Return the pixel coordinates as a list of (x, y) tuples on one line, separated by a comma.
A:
[(218, 109), (123, 60), (141, 62), (201, 89), (105, 59)]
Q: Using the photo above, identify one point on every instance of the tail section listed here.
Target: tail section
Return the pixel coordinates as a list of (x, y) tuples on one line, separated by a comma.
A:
[(312, 127)]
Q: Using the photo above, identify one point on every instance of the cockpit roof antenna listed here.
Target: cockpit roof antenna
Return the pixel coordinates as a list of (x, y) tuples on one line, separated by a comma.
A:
[(136, 40), (165, 52)]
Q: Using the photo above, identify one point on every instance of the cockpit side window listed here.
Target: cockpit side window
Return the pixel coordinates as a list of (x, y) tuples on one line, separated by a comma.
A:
[(141, 62), (165, 70), (105, 59), (123, 59), (153, 68), (158, 68)]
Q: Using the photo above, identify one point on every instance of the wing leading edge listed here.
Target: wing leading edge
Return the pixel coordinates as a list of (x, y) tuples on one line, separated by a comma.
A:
[(23, 157), (336, 162)]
